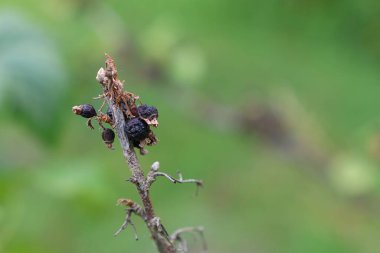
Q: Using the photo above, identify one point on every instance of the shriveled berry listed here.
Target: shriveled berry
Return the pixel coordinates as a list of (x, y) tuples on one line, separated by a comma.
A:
[(147, 111), (137, 129), (86, 110), (149, 114), (108, 137)]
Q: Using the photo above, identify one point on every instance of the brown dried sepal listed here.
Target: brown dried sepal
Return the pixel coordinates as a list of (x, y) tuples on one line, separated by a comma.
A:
[(125, 202), (77, 109), (85, 110), (152, 121), (127, 104), (152, 139), (105, 118), (111, 70), (89, 124)]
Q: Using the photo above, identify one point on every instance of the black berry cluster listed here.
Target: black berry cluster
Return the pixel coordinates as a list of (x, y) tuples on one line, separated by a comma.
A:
[(138, 128), (138, 119)]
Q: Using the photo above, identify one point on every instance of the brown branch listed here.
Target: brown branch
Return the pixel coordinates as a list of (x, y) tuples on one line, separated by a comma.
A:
[(112, 86), (114, 95)]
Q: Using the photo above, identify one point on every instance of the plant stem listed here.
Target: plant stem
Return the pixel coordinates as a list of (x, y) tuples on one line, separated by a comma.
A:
[(161, 240)]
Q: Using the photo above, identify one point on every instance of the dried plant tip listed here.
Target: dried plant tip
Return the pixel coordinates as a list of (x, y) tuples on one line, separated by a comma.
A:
[(100, 76), (152, 139), (86, 110), (124, 202), (143, 151), (149, 114), (108, 137)]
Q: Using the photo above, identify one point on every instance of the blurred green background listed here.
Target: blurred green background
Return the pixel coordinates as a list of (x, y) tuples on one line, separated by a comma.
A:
[(274, 104)]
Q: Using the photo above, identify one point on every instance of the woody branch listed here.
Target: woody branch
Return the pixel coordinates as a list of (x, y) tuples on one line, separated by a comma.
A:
[(113, 92)]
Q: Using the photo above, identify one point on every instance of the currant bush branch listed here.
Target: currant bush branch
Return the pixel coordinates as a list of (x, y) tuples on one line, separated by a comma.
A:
[(132, 124)]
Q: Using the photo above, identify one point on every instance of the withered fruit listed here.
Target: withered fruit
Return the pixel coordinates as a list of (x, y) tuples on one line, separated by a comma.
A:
[(137, 130), (149, 114), (86, 110), (108, 136)]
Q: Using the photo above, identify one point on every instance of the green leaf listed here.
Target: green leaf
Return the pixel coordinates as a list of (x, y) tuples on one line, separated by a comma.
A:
[(32, 80)]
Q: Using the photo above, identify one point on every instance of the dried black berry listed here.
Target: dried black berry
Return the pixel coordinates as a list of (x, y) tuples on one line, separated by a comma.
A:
[(86, 110), (137, 129), (139, 133), (147, 111), (149, 114), (108, 137)]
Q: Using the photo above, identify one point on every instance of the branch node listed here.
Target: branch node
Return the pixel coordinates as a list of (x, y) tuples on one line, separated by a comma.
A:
[(133, 180)]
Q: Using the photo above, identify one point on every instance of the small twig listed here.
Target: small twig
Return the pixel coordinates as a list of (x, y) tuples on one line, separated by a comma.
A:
[(125, 224), (183, 244), (101, 96), (176, 237), (133, 208), (179, 180), (154, 173)]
